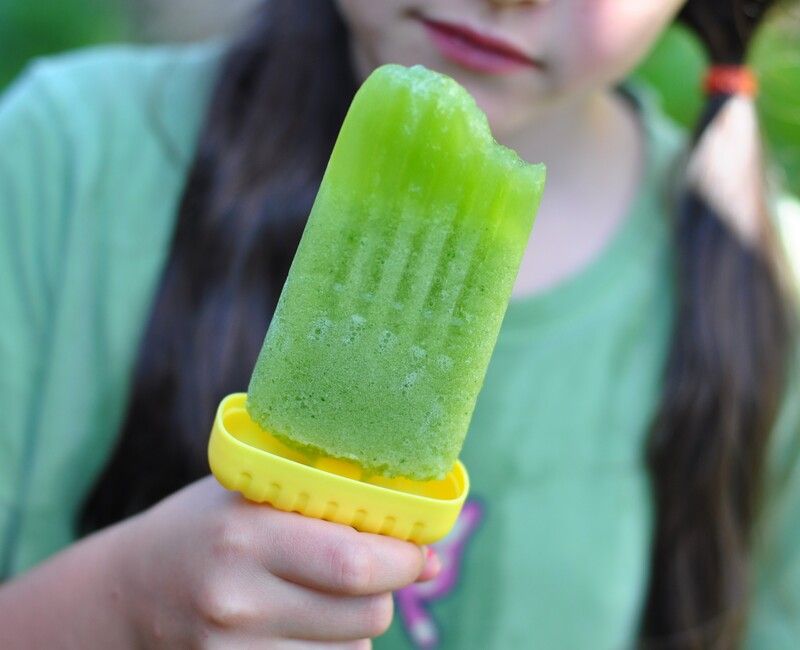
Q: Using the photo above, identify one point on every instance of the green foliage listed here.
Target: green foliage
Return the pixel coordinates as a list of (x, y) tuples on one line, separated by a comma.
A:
[(776, 57), (30, 28), (675, 68)]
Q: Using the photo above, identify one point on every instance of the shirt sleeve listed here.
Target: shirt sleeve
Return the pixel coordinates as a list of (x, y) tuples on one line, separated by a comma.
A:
[(775, 609), (34, 177), (775, 615)]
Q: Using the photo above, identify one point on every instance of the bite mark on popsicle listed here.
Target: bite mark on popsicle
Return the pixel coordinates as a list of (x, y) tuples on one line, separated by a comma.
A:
[(382, 335)]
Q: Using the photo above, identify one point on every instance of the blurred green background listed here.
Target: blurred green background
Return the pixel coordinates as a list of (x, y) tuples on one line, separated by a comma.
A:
[(30, 28), (675, 69)]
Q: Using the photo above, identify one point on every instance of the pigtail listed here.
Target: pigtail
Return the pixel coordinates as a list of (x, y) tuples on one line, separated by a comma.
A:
[(279, 100), (725, 371)]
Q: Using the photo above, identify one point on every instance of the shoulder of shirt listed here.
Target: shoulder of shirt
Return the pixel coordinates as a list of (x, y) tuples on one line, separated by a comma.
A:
[(660, 126), (104, 90), (786, 211), (666, 138), (672, 137), (119, 67)]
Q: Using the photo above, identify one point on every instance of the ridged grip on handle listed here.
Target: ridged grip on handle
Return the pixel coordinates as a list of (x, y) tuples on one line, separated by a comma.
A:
[(245, 458)]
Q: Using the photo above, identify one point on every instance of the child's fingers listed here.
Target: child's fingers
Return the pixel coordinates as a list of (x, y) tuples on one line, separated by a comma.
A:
[(337, 559), (257, 609), (292, 644), (315, 616)]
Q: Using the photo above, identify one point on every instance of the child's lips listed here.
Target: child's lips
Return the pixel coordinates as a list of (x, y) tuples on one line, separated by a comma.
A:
[(476, 50)]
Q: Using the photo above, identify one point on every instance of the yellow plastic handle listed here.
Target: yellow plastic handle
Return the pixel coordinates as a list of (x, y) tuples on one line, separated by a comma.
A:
[(246, 458)]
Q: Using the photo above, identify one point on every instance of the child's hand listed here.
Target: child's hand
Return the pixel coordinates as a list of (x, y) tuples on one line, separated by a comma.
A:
[(207, 569)]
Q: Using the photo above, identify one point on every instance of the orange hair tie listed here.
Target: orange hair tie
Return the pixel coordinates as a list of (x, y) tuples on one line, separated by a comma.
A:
[(730, 80)]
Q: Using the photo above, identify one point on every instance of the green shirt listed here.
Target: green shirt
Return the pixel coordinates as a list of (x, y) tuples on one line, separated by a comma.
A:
[(552, 551)]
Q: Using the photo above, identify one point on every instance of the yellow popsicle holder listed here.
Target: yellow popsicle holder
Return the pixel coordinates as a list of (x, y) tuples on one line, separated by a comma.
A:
[(246, 458)]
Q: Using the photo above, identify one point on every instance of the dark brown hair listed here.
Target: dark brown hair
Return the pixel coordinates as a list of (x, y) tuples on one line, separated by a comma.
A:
[(280, 97), (724, 378)]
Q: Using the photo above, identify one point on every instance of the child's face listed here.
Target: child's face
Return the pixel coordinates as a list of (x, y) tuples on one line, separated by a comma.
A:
[(516, 57)]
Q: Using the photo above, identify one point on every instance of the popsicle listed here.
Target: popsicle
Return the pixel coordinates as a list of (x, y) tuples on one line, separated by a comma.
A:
[(385, 327)]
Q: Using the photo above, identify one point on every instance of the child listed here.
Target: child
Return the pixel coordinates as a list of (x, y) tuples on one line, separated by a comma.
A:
[(634, 447)]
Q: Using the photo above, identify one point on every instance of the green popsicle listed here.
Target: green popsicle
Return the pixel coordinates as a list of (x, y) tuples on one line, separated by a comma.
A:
[(383, 332)]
